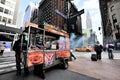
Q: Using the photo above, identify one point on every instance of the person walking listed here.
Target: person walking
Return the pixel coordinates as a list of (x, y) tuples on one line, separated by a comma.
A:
[(71, 55), (110, 51), (2, 48), (98, 49), (20, 43)]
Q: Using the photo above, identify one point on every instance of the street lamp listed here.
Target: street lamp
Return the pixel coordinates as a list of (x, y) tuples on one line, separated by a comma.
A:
[(68, 14)]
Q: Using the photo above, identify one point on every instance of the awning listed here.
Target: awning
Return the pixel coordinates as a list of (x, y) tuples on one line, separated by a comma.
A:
[(7, 33), (8, 29), (6, 37)]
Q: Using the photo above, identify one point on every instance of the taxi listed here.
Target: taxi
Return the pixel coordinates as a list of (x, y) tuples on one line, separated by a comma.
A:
[(84, 49)]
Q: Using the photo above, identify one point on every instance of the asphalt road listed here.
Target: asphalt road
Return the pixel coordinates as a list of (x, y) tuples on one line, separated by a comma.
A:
[(51, 74)]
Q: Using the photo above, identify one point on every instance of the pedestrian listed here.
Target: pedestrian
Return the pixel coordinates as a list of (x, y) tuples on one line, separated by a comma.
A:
[(98, 49), (20, 43), (110, 51), (71, 55), (2, 48)]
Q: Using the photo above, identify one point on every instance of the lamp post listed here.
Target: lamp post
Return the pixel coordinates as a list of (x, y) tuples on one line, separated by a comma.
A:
[(68, 15)]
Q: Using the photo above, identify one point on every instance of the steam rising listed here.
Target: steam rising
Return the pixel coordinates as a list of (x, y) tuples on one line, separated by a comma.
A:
[(82, 41), (75, 41)]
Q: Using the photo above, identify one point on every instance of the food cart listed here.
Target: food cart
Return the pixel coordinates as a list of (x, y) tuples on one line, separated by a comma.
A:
[(46, 47)]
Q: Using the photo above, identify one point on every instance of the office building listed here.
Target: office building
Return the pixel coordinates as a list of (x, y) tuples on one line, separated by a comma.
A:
[(47, 13), (8, 11), (110, 12), (8, 18)]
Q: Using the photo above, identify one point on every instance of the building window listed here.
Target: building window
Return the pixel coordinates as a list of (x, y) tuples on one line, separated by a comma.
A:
[(1, 9), (114, 18), (112, 8), (4, 19), (9, 20), (6, 11), (3, 1), (10, 13)]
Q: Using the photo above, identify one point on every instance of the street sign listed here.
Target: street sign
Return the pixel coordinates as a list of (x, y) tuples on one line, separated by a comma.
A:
[(58, 12), (64, 16), (79, 13)]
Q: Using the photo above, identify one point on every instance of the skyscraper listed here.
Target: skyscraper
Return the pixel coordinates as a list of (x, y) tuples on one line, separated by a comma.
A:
[(30, 14), (88, 21), (15, 17)]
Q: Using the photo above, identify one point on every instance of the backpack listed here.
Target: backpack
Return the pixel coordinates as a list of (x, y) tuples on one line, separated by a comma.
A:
[(16, 46)]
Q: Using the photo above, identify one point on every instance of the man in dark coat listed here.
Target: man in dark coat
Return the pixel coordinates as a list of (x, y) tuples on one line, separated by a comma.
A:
[(71, 55), (19, 46), (98, 48)]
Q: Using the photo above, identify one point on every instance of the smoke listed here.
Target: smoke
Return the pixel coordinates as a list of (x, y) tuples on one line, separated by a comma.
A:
[(75, 41)]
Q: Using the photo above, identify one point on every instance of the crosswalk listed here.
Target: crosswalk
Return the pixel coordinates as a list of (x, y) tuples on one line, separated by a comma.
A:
[(7, 64)]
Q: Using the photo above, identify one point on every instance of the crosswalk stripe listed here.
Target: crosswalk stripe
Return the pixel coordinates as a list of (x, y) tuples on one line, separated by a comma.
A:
[(7, 65), (7, 62)]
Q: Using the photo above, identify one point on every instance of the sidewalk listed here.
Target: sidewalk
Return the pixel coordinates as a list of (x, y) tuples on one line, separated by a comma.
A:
[(104, 54), (104, 69)]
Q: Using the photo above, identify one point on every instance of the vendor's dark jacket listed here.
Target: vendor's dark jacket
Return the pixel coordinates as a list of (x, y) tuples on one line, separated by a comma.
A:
[(17, 46)]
